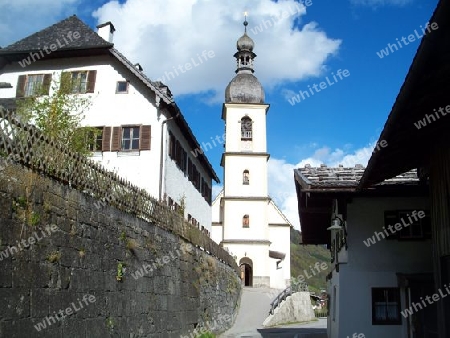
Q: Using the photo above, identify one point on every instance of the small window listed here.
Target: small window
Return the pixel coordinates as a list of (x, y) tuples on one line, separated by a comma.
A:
[(130, 138), (246, 221), (122, 87), (386, 306), (246, 177), (246, 128)]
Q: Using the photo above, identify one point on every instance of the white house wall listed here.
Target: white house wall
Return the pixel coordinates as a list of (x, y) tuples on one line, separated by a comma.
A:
[(374, 266), (234, 210), (133, 108), (177, 183), (217, 221), (234, 168), (279, 236), (234, 114)]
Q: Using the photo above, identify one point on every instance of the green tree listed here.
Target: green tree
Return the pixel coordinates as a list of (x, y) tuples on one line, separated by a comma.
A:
[(59, 114)]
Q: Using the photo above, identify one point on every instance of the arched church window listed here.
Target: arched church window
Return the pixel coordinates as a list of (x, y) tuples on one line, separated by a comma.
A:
[(246, 221), (246, 177), (246, 128)]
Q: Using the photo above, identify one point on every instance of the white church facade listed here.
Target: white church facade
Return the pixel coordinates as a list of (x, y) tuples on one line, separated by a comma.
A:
[(245, 219)]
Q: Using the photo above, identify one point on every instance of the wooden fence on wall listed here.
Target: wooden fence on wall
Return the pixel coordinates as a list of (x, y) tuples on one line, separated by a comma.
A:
[(25, 144)]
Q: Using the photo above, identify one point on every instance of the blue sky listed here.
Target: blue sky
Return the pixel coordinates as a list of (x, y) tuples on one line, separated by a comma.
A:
[(339, 124)]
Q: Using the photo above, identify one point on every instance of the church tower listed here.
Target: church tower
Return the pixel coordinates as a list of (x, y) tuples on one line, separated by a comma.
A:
[(245, 220)]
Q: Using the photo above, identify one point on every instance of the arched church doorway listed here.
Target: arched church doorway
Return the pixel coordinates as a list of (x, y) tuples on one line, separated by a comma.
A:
[(246, 266)]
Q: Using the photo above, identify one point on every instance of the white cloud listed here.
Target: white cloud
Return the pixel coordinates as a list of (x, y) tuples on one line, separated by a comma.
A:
[(163, 34), (281, 175), (24, 17), (378, 3)]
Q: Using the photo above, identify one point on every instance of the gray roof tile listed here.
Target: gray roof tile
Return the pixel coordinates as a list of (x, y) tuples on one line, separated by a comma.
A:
[(323, 177), (57, 33)]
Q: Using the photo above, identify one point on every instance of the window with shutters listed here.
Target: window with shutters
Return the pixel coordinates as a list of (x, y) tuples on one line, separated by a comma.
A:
[(198, 181), (190, 170), (83, 81), (130, 138), (184, 164), (194, 175), (127, 138), (171, 145), (204, 186), (33, 85)]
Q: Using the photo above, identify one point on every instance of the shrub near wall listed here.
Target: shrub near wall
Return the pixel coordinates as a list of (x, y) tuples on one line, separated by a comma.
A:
[(96, 252)]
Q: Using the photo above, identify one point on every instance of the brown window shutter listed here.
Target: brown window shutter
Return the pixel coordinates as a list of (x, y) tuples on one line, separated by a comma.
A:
[(46, 84), (146, 136), (190, 170), (171, 146), (92, 75), (184, 161), (106, 139), (116, 139), (20, 90), (177, 153)]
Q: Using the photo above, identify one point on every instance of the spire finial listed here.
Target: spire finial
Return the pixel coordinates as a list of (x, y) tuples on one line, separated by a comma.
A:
[(245, 22)]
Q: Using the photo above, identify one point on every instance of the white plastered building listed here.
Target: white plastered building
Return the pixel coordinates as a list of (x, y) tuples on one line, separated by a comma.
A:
[(144, 137)]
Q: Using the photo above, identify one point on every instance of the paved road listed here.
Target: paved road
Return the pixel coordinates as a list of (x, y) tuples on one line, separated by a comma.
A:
[(254, 308), (316, 329)]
